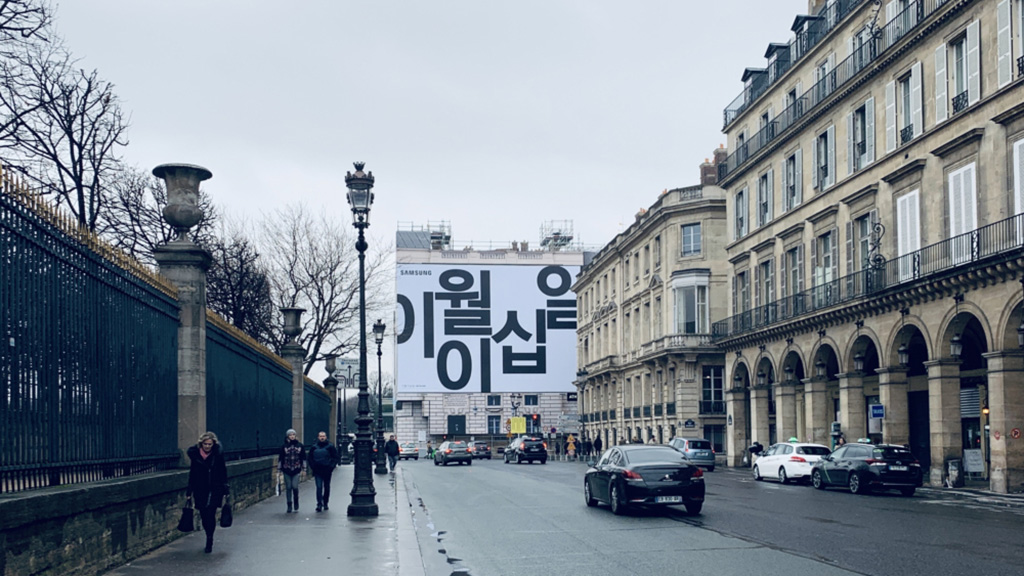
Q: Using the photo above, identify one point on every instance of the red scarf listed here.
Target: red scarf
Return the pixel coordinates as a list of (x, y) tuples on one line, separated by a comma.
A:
[(203, 453)]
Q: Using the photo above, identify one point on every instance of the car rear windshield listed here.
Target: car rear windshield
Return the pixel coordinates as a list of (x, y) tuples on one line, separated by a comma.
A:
[(888, 452), (813, 450), (457, 445), (700, 445), (654, 454)]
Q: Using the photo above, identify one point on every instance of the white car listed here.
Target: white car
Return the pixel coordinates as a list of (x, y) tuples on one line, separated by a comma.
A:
[(787, 461)]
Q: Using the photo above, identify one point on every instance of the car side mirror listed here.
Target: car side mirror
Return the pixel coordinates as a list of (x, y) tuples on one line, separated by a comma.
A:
[(591, 463)]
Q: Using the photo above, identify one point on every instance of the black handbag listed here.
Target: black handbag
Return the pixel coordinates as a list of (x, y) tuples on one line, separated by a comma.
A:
[(187, 523), (226, 517)]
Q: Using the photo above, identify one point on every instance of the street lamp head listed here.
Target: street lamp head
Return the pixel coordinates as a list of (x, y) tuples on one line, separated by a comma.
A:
[(360, 194), (378, 331), (331, 363)]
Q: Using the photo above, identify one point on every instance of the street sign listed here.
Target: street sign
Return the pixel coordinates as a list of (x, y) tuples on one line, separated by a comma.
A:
[(518, 424), (571, 396), (689, 424), (877, 411), (508, 425)]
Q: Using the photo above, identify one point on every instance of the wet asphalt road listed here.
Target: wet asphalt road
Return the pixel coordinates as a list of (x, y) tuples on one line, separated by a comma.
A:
[(497, 519)]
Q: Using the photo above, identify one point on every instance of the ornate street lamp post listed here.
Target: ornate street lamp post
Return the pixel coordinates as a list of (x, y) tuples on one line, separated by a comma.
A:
[(360, 198), (382, 465)]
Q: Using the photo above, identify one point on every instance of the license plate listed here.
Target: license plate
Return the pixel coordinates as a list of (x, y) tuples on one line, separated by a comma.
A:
[(668, 499), (898, 468)]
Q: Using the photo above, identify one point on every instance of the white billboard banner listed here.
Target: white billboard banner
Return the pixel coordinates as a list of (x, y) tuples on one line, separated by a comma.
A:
[(477, 328)]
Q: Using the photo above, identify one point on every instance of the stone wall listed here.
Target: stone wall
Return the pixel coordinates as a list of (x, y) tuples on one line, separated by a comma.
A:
[(85, 529)]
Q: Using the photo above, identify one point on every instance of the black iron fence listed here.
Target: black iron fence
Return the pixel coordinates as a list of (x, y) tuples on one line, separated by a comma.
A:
[(712, 407), (893, 31), (989, 241), (88, 361)]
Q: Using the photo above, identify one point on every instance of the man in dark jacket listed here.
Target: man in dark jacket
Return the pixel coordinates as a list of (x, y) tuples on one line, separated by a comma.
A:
[(597, 446), (323, 458), (391, 449)]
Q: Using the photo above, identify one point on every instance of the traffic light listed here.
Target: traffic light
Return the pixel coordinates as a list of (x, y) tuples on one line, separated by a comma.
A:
[(534, 416)]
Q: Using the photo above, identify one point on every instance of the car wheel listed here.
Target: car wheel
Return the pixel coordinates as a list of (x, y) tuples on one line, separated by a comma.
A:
[(470, 462), (711, 469), (817, 480), (908, 491), (757, 473), (544, 461), (694, 508), (506, 458), (856, 486), (615, 501), (519, 458), (782, 475), (587, 495), (436, 463)]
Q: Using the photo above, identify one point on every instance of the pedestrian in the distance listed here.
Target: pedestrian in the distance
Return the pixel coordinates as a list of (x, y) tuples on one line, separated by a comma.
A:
[(597, 445), (586, 448), (323, 459), (430, 450), (291, 462), (392, 449), (207, 482)]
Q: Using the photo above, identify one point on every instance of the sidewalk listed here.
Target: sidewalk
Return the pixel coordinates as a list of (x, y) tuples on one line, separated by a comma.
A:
[(266, 540)]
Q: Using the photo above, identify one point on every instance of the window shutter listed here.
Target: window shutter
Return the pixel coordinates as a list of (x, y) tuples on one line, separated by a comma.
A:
[(771, 195), (869, 129), (890, 117), (831, 156), (799, 177), (973, 63), (800, 268), (849, 259), (970, 200), (957, 216), (815, 263), (757, 285), (890, 11), (770, 282), (916, 100), (1005, 58), (835, 253), (1018, 175), (915, 224), (814, 163), (785, 186), (850, 152), (941, 104), (787, 265), (850, 46)]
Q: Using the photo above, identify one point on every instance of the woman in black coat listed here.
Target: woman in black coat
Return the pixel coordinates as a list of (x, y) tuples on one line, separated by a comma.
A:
[(207, 481)]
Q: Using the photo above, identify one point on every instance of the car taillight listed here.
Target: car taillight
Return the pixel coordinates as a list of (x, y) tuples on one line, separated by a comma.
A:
[(698, 473), (469, 449), (873, 462), (448, 451), (631, 475), (797, 459)]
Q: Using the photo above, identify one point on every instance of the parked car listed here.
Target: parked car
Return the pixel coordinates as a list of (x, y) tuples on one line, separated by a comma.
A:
[(527, 449), (787, 461), (866, 467), (408, 450), (453, 451), (481, 450), (647, 475), (697, 451)]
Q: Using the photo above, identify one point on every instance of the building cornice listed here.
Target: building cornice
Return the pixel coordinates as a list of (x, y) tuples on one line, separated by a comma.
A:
[(904, 170), (958, 142)]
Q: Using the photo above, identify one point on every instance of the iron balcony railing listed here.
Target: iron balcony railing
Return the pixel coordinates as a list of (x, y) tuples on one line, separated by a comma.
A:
[(712, 407), (906, 134), (801, 44), (1020, 66), (986, 242), (846, 70), (960, 102)]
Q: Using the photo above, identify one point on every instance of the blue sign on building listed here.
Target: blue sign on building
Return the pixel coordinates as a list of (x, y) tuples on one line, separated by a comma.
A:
[(877, 410)]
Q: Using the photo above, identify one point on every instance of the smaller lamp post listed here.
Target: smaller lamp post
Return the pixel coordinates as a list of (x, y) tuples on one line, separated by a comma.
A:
[(331, 383), (382, 465)]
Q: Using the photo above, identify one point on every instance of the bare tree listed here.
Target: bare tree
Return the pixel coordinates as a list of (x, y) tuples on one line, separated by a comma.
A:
[(313, 264), (133, 218), (238, 287), (62, 127), (21, 22)]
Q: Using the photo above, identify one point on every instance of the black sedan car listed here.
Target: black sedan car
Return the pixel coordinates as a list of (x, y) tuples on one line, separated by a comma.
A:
[(644, 475), (866, 467)]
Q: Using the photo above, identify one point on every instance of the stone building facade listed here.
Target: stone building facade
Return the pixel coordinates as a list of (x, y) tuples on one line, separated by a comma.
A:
[(875, 191), (646, 302)]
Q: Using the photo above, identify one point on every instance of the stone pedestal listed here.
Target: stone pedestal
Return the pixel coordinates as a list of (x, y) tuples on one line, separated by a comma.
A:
[(185, 265), (852, 411), (892, 392), (759, 419), (1006, 412), (296, 355), (785, 411), (817, 409), (944, 422), (736, 426), (331, 384)]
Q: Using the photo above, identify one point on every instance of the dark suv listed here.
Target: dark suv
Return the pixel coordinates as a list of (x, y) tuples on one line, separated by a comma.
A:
[(481, 450), (527, 449), (866, 467)]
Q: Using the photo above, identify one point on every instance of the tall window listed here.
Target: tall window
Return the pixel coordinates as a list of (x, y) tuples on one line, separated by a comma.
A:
[(742, 295), (530, 400), (861, 140), (690, 292), (494, 399), (741, 213), (824, 268), (904, 111), (908, 235), (792, 176), (493, 424), (636, 267), (713, 390), (766, 284), (715, 433), (691, 239), (862, 228), (792, 279), (821, 166), (657, 252), (647, 260), (958, 65), (764, 198)]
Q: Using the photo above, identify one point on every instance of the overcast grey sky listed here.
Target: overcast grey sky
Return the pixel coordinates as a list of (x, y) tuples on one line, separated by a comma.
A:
[(495, 116)]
